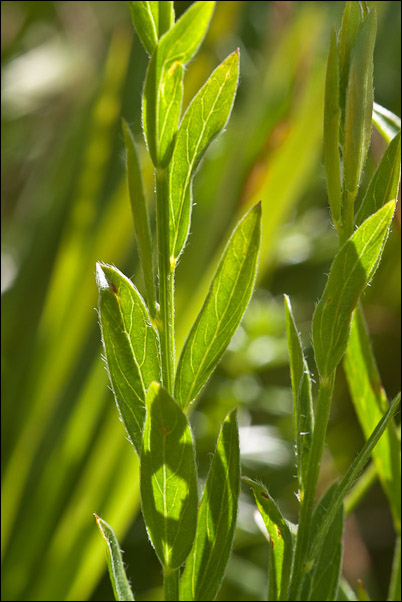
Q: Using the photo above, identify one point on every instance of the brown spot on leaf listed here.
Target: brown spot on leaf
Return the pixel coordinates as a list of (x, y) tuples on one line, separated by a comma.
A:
[(263, 494)]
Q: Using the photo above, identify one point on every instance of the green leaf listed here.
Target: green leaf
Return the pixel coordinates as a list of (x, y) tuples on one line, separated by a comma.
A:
[(131, 346), (384, 183), (351, 271), (168, 478), (140, 215), (325, 574), (151, 20), (206, 116), (370, 402), (345, 592), (386, 122), (303, 417), (121, 586), (332, 121), (359, 104), (280, 538), (163, 90), (351, 22), (206, 565), (346, 483), (223, 308)]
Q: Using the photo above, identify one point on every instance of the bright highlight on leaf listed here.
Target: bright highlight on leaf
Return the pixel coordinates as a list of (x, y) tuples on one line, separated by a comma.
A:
[(168, 478)]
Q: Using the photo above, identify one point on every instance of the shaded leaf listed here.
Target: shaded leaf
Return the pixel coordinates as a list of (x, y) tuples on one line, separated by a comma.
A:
[(332, 121), (151, 20), (370, 402), (163, 90), (280, 538), (206, 565), (352, 269), (223, 308), (140, 215), (359, 103), (384, 184), (131, 346), (303, 417), (168, 478), (120, 584), (206, 116)]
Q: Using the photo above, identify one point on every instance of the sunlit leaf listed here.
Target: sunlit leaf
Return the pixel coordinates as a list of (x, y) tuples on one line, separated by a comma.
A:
[(204, 119), (223, 308), (151, 20), (131, 346), (351, 271), (120, 584)]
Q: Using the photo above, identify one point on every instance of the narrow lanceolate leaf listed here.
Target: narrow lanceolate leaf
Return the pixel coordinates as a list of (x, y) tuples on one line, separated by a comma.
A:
[(205, 117), (151, 20), (303, 417), (280, 538), (120, 584), (351, 22), (163, 91), (370, 402), (322, 581), (223, 308), (131, 346), (140, 215), (206, 565), (386, 122), (385, 182), (351, 271), (359, 104), (168, 478), (346, 483), (332, 120)]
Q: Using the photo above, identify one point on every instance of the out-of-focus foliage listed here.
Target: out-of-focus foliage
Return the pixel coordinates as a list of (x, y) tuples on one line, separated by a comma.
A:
[(70, 71)]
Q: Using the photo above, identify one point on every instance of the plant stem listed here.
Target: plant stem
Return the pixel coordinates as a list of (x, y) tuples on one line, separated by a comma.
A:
[(171, 583), (357, 494), (313, 469), (348, 215), (166, 282)]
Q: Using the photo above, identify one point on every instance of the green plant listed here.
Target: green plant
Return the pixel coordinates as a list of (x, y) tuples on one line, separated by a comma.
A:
[(153, 394)]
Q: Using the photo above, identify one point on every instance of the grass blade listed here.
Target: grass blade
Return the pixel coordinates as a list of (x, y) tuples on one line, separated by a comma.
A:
[(280, 538), (385, 182), (351, 271), (168, 478), (303, 417), (204, 119), (131, 346), (223, 309), (121, 586), (206, 565)]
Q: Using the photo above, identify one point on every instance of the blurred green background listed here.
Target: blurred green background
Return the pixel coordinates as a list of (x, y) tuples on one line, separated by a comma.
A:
[(70, 70)]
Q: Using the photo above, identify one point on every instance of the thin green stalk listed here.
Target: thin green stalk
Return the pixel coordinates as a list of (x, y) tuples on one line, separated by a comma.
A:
[(171, 583), (313, 469), (166, 282)]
